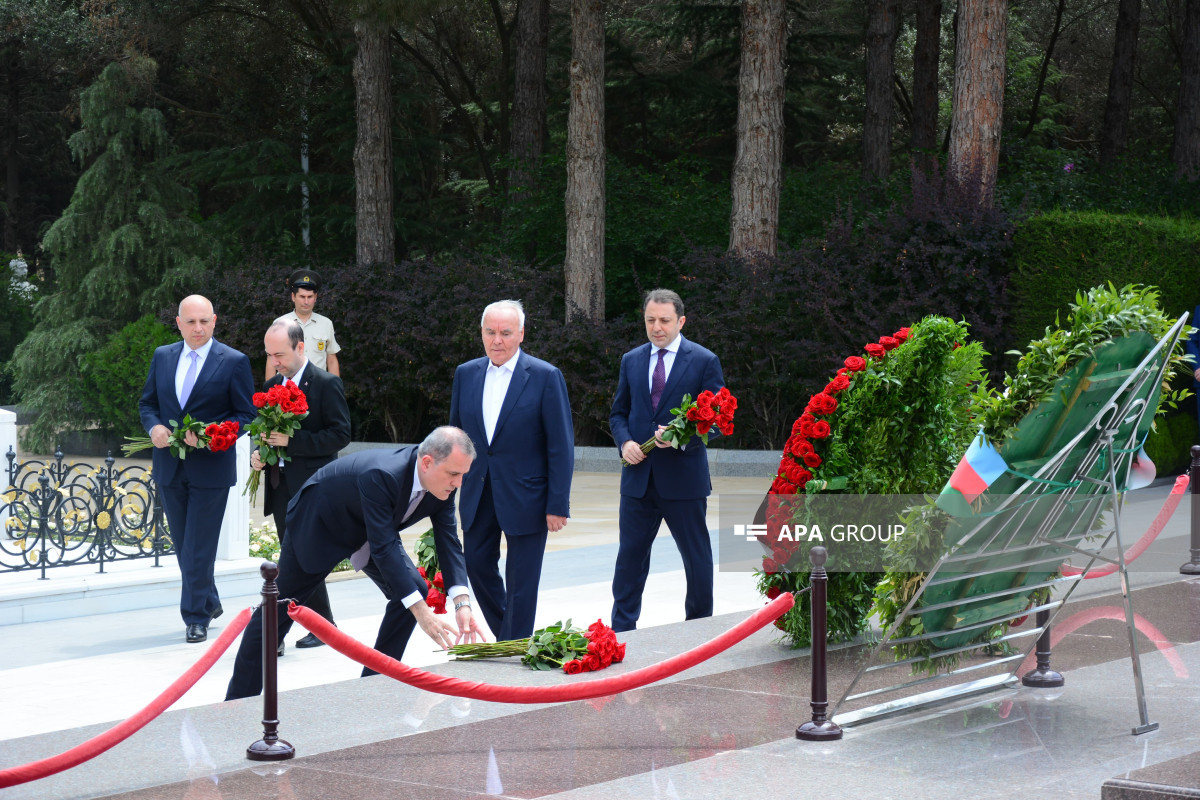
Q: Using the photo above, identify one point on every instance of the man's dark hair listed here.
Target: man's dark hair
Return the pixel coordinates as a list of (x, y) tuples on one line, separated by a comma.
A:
[(294, 331), (664, 296)]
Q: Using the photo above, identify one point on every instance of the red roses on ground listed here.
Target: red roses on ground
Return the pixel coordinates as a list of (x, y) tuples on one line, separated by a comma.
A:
[(557, 646)]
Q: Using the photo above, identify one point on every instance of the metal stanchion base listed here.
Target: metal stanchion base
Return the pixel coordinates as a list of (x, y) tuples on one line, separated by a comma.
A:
[(1190, 568), (278, 750), (1149, 726), (819, 731), (1042, 679)]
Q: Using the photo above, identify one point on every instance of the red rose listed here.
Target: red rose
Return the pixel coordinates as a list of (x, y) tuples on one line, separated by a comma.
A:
[(875, 350), (437, 580), (770, 567), (705, 399), (259, 399), (804, 478), (840, 383), (693, 413), (436, 600), (726, 428), (707, 414), (822, 403), (820, 429), (796, 446), (703, 427), (774, 592), (423, 575), (591, 663), (812, 460), (781, 486), (889, 342), (804, 448), (573, 667), (856, 364), (902, 334), (619, 655), (796, 426)]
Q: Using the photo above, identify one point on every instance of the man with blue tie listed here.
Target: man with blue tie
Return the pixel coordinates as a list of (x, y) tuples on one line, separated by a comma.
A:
[(515, 409), (212, 383), (667, 483)]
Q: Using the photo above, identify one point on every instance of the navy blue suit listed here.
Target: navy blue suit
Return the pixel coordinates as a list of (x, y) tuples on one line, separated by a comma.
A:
[(351, 501), (1192, 346), (516, 480), (671, 485), (194, 491), (324, 432)]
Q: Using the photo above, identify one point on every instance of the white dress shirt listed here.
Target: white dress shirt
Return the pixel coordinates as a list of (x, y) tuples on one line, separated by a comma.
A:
[(185, 361), (495, 386), (668, 360)]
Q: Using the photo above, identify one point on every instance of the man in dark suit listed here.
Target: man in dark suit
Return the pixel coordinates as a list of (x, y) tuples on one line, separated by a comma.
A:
[(354, 508), (322, 433), (1192, 346), (213, 383), (515, 409), (667, 483)]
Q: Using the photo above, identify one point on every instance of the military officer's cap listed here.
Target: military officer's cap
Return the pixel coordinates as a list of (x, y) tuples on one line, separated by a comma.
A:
[(304, 279)]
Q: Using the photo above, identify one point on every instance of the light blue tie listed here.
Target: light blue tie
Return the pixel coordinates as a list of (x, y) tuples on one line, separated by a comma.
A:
[(189, 380)]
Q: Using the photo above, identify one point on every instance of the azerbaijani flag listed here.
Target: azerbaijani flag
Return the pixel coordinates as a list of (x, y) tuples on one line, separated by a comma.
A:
[(979, 468)]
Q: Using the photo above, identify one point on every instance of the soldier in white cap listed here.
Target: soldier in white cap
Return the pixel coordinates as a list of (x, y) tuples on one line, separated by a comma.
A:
[(320, 344)]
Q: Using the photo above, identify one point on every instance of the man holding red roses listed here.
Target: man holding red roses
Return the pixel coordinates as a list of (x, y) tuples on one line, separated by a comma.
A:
[(668, 483), (322, 433), (208, 381)]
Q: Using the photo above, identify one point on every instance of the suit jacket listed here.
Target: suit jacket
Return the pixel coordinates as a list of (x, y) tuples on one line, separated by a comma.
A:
[(322, 434), (222, 392), (532, 453), (678, 474), (363, 498), (1192, 345)]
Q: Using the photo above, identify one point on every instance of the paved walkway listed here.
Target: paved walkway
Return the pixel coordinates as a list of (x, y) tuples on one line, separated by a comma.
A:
[(717, 731)]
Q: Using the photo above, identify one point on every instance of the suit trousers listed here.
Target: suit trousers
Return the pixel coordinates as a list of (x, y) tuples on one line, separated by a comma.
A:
[(296, 584), (194, 515), (509, 611), (318, 601), (640, 519)]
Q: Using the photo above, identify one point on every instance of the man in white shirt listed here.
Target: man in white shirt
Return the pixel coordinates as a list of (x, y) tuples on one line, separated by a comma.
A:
[(320, 343), (515, 409)]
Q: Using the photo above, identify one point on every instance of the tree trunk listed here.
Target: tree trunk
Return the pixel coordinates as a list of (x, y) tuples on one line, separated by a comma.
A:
[(925, 82), (584, 264), (1186, 150), (1045, 68), (758, 165), (1114, 134), (12, 162), (883, 24), (978, 103), (529, 95), (375, 226)]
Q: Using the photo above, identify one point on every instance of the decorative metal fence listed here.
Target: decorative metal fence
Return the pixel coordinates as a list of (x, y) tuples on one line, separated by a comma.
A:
[(56, 514)]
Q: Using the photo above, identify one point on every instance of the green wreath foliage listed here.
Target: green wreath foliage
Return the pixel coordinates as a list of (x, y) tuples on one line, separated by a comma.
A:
[(1099, 315), (898, 428)]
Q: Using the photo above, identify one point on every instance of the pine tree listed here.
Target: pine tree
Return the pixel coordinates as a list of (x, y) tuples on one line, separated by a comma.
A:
[(125, 246)]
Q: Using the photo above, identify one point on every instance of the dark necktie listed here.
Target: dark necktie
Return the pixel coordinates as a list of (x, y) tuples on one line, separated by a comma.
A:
[(659, 382)]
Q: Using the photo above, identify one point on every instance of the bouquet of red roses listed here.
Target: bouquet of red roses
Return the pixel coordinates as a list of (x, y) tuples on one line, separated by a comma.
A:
[(697, 418), (213, 436), (427, 564), (553, 647), (280, 410)]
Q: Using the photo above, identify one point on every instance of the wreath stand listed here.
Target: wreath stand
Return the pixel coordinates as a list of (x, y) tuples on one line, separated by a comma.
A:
[(1067, 466)]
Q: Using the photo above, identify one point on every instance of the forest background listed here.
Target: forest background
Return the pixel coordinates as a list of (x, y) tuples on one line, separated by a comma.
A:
[(809, 175)]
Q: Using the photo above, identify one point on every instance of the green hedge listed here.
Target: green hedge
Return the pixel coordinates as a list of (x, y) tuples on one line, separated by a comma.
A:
[(111, 379), (1170, 442), (1057, 254)]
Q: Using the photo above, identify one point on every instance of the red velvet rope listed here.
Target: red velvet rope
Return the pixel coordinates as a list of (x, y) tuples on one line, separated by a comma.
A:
[(1139, 547), (36, 770), (475, 690)]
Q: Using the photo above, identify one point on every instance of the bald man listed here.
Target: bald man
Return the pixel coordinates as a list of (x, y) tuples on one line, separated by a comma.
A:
[(201, 377)]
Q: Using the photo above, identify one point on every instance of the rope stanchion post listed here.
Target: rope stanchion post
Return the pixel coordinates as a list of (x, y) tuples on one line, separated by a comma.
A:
[(1192, 567), (270, 747), (820, 728), (1041, 676)]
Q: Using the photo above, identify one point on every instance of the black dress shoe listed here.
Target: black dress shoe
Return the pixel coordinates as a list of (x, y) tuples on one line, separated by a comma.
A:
[(310, 641), (197, 633), (218, 612), (279, 650)]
